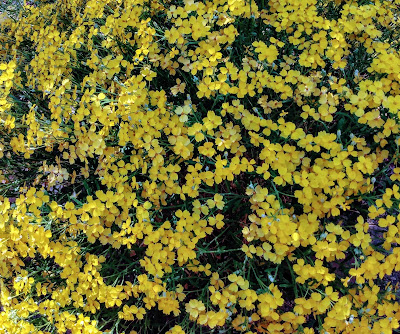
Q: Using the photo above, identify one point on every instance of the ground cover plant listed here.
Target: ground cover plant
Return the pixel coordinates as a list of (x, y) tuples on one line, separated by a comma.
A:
[(225, 166)]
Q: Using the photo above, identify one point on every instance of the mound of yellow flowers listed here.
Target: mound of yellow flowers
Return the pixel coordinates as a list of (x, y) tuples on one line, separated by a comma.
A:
[(200, 167)]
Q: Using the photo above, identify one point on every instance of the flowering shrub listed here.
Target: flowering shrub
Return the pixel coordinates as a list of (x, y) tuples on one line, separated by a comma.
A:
[(200, 166)]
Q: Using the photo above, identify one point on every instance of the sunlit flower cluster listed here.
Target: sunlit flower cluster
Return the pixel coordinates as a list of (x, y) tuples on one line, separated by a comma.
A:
[(193, 166)]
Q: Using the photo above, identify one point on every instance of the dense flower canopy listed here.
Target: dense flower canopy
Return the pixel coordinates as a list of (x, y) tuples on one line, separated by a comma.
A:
[(194, 166)]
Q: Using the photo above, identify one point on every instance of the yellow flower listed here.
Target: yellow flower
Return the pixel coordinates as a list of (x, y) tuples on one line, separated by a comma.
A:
[(183, 147), (195, 308), (195, 130), (178, 88), (207, 149), (218, 199), (183, 112), (270, 53), (176, 330)]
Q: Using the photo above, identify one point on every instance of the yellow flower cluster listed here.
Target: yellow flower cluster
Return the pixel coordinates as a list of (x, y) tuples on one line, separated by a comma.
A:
[(227, 164)]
